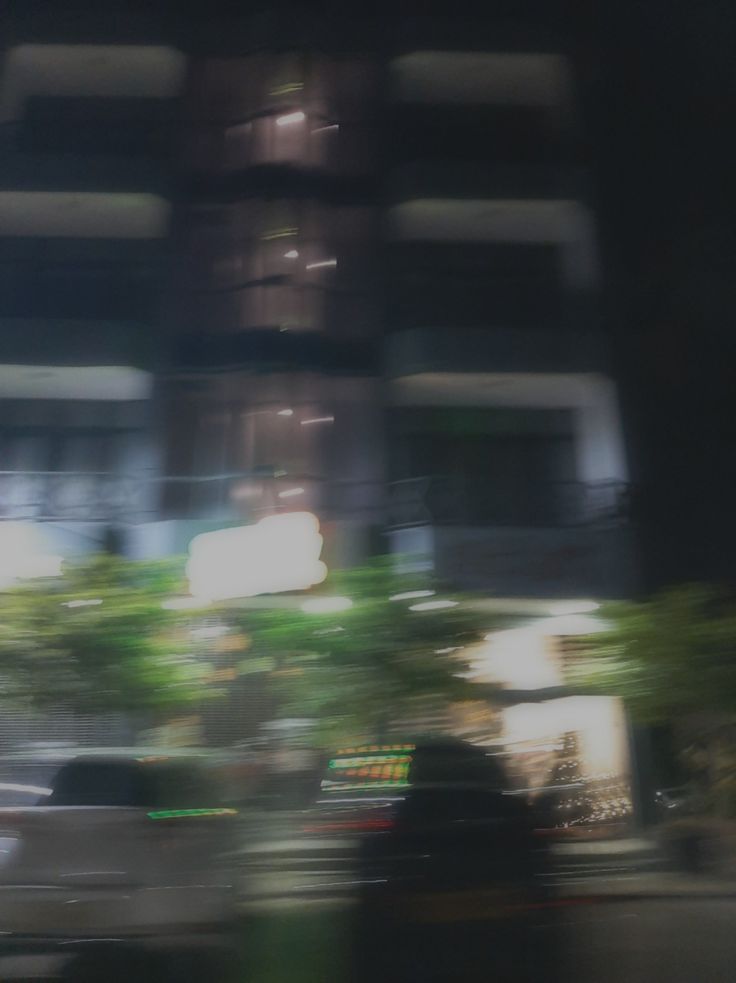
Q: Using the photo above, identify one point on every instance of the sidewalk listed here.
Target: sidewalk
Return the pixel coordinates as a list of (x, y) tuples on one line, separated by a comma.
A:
[(636, 866), (650, 886)]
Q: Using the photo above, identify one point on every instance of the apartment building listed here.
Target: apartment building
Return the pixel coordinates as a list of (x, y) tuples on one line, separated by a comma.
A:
[(289, 259)]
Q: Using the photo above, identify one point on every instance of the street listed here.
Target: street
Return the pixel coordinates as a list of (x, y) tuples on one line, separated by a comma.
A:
[(679, 941), (622, 916)]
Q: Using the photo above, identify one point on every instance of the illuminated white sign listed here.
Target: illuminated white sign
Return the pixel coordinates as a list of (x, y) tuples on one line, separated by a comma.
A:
[(279, 553)]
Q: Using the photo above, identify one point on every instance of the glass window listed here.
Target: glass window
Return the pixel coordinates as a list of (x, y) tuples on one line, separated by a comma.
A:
[(99, 783)]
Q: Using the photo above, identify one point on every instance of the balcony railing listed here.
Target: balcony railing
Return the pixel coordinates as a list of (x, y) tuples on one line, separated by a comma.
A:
[(75, 495), (46, 496), (454, 500)]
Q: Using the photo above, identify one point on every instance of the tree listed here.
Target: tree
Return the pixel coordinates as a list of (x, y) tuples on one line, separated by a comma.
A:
[(672, 659), (97, 639), (670, 656), (359, 670)]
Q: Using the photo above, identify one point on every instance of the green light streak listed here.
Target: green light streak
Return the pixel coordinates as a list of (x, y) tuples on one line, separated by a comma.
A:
[(189, 813)]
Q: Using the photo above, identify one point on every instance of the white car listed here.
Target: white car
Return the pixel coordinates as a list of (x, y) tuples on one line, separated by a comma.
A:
[(117, 844)]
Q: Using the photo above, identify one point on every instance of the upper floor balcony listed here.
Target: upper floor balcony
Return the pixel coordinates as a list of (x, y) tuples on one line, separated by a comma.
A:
[(445, 74), (128, 129), (70, 171), (566, 539), (543, 347), (117, 70), (554, 540), (67, 342), (478, 179), (145, 496), (435, 500)]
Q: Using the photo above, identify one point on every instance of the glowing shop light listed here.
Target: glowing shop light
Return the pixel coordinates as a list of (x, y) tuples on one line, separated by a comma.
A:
[(410, 595), (290, 118), (321, 264), (318, 419), (326, 605), (518, 658), (286, 412), (279, 553), (433, 605)]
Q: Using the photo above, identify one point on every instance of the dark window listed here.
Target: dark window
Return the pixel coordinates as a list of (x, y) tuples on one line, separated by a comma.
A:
[(184, 785), (99, 783)]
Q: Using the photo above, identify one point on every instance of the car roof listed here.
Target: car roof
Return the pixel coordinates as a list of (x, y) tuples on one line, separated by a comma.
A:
[(137, 754)]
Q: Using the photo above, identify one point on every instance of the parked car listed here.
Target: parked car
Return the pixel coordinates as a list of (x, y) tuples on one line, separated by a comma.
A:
[(125, 844)]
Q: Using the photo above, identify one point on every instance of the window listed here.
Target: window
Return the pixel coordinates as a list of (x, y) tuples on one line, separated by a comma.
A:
[(99, 783)]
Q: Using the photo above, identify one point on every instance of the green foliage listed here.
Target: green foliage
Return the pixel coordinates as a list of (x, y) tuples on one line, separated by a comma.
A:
[(126, 653), (668, 657), (354, 672), (358, 670)]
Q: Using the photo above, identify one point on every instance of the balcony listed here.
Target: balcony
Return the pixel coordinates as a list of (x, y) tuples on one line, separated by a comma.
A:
[(133, 498), (565, 539), (90, 497), (126, 128), (444, 500), (75, 169), (448, 500), (497, 348), (483, 78), (574, 542), (64, 342), (450, 179)]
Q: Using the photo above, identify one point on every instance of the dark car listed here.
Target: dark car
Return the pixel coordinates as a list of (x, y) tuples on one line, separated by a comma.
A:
[(450, 873)]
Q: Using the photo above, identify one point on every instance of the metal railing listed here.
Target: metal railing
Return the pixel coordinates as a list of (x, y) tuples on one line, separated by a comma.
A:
[(73, 495), (455, 500), (426, 500), (45, 496)]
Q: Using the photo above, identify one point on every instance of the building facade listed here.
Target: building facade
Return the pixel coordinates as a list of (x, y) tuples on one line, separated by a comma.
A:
[(282, 259)]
